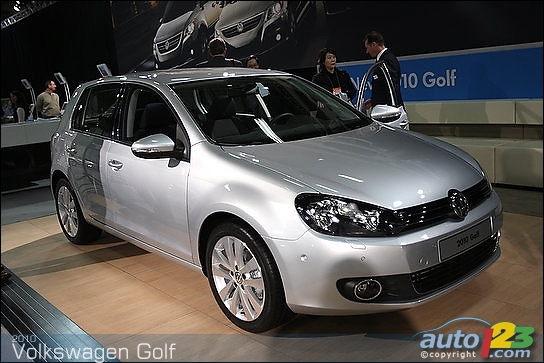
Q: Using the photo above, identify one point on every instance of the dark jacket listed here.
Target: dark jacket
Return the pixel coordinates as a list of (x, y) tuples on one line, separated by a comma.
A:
[(220, 61), (339, 78), (380, 93)]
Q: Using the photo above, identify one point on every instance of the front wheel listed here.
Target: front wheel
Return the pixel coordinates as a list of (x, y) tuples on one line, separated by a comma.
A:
[(244, 279), (70, 216)]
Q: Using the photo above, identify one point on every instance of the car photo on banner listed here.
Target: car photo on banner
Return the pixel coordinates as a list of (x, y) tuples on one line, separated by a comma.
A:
[(261, 25), (286, 198), (183, 35), (246, 26)]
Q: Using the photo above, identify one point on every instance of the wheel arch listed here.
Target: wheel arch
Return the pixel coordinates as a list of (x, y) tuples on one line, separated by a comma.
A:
[(58, 175), (217, 218), (207, 227), (55, 177)]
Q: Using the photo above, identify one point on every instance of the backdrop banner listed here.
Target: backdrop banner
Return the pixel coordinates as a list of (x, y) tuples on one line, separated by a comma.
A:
[(507, 72)]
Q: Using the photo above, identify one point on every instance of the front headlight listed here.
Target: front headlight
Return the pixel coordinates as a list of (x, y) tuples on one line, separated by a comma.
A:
[(344, 217), (189, 29), (274, 11)]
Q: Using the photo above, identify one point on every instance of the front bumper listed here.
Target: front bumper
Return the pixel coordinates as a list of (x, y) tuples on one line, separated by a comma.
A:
[(319, 271)]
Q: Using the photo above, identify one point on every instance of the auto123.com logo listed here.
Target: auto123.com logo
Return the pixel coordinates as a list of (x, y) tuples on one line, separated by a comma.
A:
[(501, 340)]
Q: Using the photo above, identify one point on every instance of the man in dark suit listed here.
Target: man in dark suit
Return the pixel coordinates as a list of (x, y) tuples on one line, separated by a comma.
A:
[(218, 50), (375, 47)]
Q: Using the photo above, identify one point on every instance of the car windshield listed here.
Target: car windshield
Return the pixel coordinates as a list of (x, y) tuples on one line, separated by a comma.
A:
[(266, 109), (173, 10)]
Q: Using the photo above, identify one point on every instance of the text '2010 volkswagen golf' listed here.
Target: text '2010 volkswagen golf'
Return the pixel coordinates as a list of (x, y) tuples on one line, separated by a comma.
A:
[(288, 199)]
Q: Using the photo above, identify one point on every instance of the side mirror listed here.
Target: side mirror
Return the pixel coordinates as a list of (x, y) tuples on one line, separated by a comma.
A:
[(157, 146), (391, 115), (385, 113)]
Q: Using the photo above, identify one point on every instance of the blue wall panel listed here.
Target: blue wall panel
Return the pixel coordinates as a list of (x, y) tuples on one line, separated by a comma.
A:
[(511, 72)]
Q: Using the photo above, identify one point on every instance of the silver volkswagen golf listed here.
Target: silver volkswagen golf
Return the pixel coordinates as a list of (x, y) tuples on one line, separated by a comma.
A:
[(288, 199)]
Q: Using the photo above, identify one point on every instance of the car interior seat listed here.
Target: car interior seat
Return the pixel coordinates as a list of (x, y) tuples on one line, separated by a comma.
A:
[(220, 121)]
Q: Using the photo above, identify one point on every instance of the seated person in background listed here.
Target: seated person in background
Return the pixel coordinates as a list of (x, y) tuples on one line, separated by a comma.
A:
[(6, 107), (19, 106), (7, 111)]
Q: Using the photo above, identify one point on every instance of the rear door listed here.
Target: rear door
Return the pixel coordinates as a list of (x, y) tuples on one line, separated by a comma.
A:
[(92, 128)]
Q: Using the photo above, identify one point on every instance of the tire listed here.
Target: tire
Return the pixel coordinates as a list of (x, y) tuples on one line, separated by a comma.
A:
[(70, 216), (244, 279)]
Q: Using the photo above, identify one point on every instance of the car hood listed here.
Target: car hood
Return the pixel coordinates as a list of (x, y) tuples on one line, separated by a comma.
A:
[(390, 168), (241, 10), (167, 30)]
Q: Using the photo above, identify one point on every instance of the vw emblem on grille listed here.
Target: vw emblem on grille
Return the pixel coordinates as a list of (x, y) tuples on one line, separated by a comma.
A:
[(240, 27), (166, 45), (458, 203)]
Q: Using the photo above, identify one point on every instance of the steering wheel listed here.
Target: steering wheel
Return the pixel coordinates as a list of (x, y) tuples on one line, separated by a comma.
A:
[(282, 116)]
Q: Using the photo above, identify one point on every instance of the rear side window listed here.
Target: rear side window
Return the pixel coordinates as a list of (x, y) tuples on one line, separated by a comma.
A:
[(97, 110)]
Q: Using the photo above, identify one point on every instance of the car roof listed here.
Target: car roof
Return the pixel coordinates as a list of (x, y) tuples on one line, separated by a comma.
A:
[(187, 75)]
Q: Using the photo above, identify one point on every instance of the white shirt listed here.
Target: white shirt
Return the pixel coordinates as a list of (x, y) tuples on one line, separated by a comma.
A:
[(380, 54)]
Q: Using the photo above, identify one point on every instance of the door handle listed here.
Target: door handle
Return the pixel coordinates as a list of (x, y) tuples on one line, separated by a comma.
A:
[(115, 165)]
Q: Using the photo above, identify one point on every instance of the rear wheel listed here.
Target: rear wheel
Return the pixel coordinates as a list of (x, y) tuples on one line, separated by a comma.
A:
[(244, 279), (70, 216)]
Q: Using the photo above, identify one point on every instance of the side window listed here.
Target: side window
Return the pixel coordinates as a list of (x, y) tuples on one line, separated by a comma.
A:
[(79, 111), (148, 114), (96, 112)]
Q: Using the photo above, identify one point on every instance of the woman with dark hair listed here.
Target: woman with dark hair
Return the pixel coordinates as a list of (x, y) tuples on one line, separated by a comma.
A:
[(252, 62), (19, 105), (331, 78)]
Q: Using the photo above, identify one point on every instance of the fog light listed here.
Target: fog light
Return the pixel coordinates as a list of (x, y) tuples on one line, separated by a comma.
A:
[(367, 289)]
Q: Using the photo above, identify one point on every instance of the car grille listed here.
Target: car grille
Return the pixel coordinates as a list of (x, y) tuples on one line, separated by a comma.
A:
[(246, 25), (169, 44), (440, 210), (450, 271), (415, 286)]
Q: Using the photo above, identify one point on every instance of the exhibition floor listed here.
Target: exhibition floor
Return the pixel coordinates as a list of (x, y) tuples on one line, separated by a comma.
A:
[(123, 296)]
